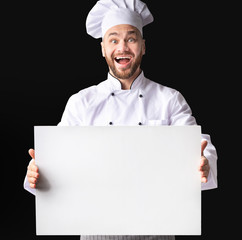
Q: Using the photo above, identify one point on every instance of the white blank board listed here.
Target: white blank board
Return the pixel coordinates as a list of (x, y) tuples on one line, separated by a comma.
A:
[(118, 180)]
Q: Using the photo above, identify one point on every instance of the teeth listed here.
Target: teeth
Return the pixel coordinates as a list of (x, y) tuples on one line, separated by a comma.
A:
[(118, 58)]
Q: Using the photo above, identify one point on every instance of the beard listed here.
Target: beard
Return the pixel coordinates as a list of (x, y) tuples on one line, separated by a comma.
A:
[(126, 72)]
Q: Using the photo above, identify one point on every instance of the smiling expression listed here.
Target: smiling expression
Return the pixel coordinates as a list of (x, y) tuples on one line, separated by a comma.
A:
[(123, 49)]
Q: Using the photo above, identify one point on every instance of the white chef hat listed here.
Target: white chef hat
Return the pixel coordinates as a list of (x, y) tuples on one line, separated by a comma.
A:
[(108, 13)]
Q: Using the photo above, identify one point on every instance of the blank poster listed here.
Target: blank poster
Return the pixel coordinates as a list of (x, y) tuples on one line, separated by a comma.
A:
[(122, 180)]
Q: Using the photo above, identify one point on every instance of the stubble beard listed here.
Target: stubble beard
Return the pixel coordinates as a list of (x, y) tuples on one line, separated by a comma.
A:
[(124, 73)]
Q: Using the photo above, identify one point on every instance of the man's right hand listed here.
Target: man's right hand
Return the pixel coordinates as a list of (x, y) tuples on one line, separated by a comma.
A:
[(33, 171)]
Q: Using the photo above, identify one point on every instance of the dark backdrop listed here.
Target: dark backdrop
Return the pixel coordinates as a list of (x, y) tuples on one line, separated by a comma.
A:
[(47, 56)]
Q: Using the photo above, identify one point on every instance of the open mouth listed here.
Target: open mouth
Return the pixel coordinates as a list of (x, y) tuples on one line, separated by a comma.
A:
[(122, 60)]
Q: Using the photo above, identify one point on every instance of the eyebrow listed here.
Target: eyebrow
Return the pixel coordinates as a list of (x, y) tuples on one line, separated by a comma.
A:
[(112, 34), (116, 34)]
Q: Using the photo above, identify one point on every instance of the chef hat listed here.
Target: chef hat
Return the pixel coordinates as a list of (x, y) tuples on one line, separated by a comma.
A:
[(108, 13)]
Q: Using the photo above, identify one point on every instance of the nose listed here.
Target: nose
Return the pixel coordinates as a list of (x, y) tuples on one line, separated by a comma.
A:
[(122, 46)]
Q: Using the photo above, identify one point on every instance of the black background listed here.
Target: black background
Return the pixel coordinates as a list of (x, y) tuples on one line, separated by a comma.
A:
[(47, 56)]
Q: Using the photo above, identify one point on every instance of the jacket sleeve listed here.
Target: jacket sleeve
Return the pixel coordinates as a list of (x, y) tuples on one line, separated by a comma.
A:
[(72, 115), (181, 114)]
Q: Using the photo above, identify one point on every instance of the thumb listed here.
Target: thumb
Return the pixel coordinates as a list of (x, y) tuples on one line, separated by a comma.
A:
[(203, 146), (31, 153)]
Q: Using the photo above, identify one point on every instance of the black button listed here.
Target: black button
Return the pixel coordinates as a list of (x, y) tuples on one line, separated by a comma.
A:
[(140, 95), (140, 123), (112, 94), (110, 123)]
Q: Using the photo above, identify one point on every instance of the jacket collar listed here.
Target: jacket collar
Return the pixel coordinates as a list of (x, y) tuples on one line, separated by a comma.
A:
[(115, 84)]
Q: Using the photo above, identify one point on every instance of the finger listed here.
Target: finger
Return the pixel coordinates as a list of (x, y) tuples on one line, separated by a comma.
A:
[(32, 167), (32, 153), (203, 146), (204, 179), (32, 185), (32, 174), (32, 180), (204, 173), (204, 168), (204, 161)]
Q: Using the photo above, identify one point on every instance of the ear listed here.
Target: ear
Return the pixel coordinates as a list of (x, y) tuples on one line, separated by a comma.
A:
[(143, 47), (102, 48)]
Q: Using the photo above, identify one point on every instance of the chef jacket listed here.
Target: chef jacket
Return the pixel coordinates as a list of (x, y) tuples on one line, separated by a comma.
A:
[(145, 103)]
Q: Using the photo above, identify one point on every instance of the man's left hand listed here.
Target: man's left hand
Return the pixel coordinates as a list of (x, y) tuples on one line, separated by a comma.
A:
[(204, 165)]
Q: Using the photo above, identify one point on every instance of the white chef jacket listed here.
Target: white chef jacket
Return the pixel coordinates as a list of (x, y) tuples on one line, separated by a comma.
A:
[(145, 103)]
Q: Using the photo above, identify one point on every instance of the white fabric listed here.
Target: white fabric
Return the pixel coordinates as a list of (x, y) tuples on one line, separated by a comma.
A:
[(127, 238), (108, 13), (112, 18)]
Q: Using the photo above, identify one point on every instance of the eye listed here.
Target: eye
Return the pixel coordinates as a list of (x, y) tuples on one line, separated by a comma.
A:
[(114, 41), (131, 40)]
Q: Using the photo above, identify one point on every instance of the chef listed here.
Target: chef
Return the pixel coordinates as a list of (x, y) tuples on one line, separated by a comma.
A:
[(127, 97)]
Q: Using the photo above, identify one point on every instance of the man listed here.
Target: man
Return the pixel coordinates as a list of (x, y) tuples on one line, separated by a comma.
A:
[(127, 97)]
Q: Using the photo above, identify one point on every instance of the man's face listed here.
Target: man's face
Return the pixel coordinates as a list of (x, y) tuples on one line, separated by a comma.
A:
[(123, 48)]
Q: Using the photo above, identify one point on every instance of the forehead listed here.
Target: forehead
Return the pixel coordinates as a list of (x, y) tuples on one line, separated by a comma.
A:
[(122, 30)]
